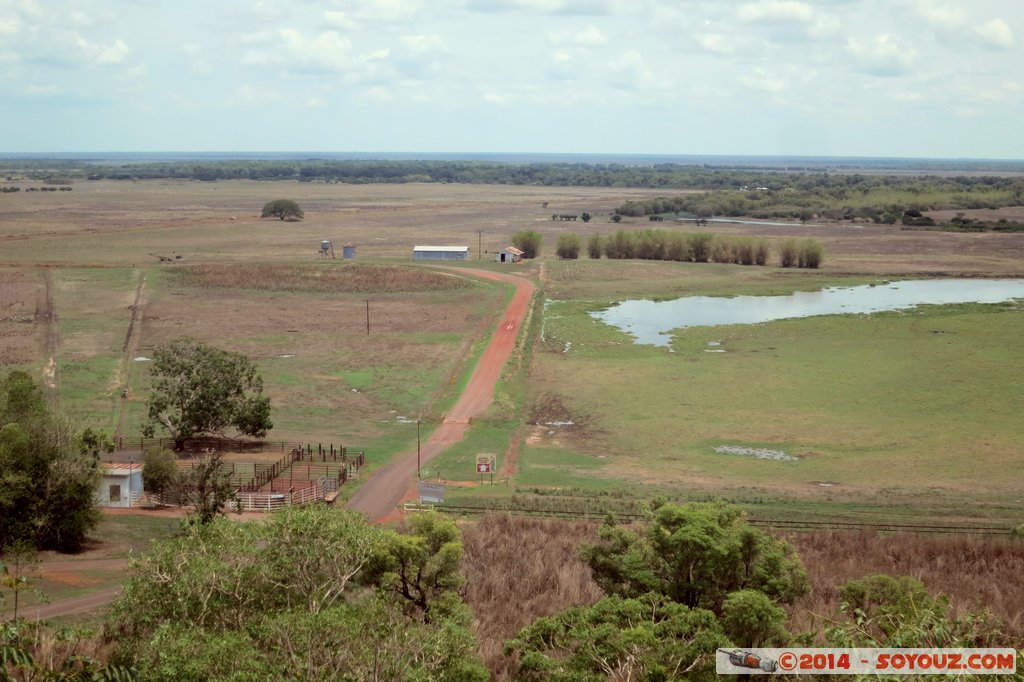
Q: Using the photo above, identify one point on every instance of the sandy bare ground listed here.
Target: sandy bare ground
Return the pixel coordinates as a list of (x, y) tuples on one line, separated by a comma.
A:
[(389, 485)]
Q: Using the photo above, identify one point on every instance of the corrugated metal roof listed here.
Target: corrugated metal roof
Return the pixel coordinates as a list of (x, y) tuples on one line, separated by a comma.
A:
[(512, 249), (440, 248)]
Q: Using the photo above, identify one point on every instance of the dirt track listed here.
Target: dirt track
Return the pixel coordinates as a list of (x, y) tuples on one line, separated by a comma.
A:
[(386, 489)]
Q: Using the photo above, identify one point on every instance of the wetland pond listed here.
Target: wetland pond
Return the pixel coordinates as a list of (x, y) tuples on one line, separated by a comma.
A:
[(649, 322)]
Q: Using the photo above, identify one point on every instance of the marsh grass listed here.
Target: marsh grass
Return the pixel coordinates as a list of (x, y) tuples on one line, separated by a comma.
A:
[(519, 569)]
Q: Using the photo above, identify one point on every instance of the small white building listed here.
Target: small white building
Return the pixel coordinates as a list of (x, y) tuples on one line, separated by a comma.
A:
[(440, 253), (120, 484), (509, 254)]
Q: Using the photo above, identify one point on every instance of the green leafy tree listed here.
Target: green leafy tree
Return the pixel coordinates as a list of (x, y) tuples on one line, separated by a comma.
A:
[(198, 389), (161, 475), (695, 554), (48, 473), (568, 246), (207, 487), (283, 598), (646, 638), (420, 564), (751, 619), (19, 559), (887, 611), (527, 241), (282, 209)]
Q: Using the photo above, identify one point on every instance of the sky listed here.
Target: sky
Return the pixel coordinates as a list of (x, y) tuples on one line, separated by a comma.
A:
[(905, 78)]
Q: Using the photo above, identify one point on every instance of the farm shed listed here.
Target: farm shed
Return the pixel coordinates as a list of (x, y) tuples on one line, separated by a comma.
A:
[(440, 253), (509, 254), (120, 484)]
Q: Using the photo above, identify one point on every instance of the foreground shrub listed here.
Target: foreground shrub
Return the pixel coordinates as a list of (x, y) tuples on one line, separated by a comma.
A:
[(595, 246)]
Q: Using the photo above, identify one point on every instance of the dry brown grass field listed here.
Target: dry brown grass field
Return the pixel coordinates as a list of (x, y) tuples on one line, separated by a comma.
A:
[(519, 569)]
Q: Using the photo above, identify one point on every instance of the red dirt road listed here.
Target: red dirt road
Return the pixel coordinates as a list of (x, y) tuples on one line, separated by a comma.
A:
[(385, 490)]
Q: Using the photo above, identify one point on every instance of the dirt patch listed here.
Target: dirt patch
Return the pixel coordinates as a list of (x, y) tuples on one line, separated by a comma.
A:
[(69, 578)]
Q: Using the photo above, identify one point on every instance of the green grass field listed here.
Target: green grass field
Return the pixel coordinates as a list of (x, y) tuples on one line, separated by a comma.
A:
[(920, 407)]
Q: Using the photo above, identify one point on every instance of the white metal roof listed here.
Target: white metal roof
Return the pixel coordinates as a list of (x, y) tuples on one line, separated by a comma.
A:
[(440, 248)]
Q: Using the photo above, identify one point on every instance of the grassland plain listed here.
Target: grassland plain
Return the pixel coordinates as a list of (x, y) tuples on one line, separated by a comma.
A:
[(915, 411), (645, 419)]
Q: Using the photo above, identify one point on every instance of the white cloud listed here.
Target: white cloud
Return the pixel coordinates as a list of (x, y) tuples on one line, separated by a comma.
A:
[(328, 50), (569, 7), (316, 102), (996, 33), (716, 42), (422, 43), (882, 56), (591, 36), (502, 99), (339, 19), (940, 16), (388, 11), (102, 55), (10, 26), (776, 10), (760, 79), (41, 90)]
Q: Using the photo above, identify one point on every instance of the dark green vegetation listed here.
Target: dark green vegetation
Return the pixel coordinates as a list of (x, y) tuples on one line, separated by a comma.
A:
[(48, 472), (702, 247), (319, 594), (528, 241), (568, 246), (812, 196), (309, 593), (198, 389), (282, 209), (671, 175)]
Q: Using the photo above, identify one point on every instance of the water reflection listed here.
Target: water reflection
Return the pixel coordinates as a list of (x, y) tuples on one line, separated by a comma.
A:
[(650, 321)]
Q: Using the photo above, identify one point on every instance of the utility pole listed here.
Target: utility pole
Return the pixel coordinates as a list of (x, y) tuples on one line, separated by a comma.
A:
[(418, 449), (367, 317), (480, 245)]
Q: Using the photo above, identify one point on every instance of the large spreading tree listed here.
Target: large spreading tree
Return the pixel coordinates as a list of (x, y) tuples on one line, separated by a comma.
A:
[(202, 390), (282, 209)]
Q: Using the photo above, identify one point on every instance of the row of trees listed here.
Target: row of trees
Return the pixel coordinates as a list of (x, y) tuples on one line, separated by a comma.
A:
[(639, 174), (876, 199), (696, 247)]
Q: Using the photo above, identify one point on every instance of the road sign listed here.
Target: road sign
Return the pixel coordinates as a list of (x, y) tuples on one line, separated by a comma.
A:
[(432, 493), (485, 463)]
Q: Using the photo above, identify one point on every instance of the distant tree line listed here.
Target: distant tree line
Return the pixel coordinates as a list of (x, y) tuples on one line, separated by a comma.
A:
[(835, 186), (871, 198), (695, 247)]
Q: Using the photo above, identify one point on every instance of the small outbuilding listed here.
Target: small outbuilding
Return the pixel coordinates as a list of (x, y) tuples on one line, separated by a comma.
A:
[(348, 251), (509, 254), (440, 253), (120, 484)]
